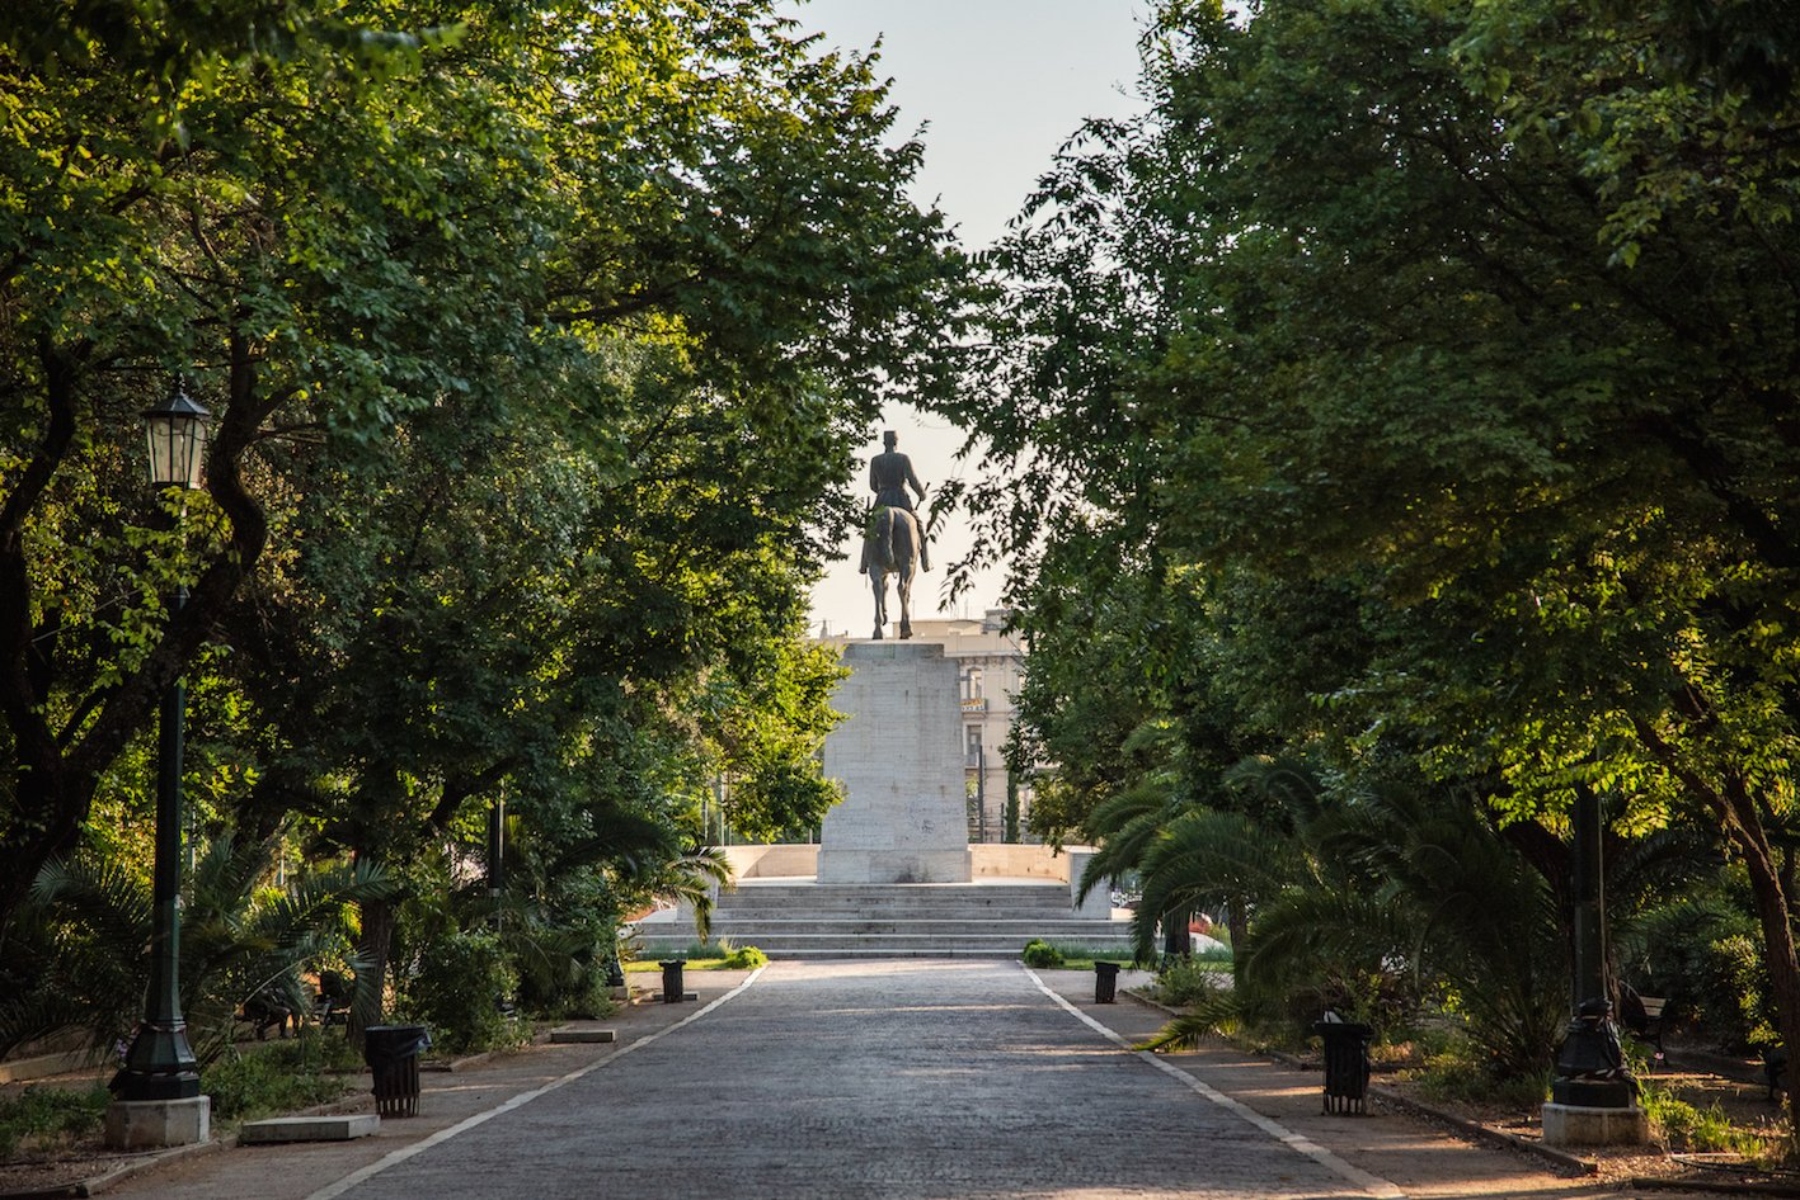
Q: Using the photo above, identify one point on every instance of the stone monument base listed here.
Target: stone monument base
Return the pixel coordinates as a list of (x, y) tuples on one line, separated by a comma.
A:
[(884, 866), (156, 1124), (899, 756), (1569, 1125)]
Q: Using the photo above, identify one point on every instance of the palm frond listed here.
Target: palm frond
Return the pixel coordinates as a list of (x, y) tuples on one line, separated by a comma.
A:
[(110, 903), (1217, 1015), (696, 878)]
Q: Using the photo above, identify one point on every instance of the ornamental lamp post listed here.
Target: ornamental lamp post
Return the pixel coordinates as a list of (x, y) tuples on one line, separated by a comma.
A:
[(157, 1091), (1593, 1097)]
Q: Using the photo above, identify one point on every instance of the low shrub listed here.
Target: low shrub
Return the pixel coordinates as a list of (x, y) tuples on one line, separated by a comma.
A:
[(458, 990), (1039, 953), (1188, 981), (314, 1050), (44, 1117), (246, 1087), (1684, 1127), (1462, 1073), (744, 958), (592, 1002), (650, 955)]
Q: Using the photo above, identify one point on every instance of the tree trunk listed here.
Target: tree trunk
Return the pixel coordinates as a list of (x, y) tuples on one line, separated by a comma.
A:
[(1740, 817), (1773, 912), (1176, 943), (1237, 920), (373, 946)]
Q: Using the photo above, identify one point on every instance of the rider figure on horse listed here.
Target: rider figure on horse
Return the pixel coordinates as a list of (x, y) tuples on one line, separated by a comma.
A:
[(889, 474)]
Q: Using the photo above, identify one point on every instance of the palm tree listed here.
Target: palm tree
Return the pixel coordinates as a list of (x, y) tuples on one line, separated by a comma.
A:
[(241, 935), (695, 878), (1427, 884), (1226, 847)]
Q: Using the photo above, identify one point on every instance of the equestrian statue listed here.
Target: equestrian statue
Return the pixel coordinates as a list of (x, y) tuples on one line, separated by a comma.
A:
[(894, 538)]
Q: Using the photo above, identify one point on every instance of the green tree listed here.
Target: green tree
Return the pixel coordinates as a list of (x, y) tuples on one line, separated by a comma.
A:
[(656, 258), (1477, 318), (220, 207), (79, 965)]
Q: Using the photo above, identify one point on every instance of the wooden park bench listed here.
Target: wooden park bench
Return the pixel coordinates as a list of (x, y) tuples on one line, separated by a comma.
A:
[(1642, 1017)]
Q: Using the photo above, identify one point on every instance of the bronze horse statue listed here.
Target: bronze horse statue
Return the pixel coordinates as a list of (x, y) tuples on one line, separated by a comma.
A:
[(891, 547)]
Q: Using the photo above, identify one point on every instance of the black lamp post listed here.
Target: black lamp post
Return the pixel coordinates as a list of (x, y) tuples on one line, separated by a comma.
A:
[(160, 1064), (496, 854), (1590, 1067)]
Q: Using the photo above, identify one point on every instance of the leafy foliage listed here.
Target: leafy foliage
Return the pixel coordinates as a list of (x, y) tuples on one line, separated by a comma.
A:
[(241, 936), (1207, 1017), (1701, 953), (279, 1079), (1439, 355), (42, 1116), (461, 990), (535, 340), (744, 958)]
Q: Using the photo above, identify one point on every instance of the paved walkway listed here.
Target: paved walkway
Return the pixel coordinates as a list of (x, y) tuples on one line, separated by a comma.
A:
[(905, 1079)]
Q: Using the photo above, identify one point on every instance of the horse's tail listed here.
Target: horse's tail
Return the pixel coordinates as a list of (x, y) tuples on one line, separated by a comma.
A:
[(888, 522)]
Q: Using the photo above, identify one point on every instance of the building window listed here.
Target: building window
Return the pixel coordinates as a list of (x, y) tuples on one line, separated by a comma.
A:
[(974, 744), (972, 684)]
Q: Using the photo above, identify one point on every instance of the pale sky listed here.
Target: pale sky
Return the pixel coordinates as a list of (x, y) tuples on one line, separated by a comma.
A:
[(999, 85)]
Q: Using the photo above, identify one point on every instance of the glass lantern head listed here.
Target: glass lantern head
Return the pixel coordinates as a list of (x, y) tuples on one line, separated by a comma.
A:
[(175, 432)]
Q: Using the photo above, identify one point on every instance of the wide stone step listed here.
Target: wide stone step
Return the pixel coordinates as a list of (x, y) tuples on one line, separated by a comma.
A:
[(1001, 946), (824, 898), (888, 925), (850, 904), (1012, 915), (787, 938), (805, 919)]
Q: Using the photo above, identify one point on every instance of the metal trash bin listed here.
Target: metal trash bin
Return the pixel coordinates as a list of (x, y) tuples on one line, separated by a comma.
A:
[(392, 1052), (672, 986), (1346, 1065), (1106, 982)]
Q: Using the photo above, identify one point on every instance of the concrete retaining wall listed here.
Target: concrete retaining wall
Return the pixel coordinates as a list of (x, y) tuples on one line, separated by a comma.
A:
[(986, 860), (768, 862)]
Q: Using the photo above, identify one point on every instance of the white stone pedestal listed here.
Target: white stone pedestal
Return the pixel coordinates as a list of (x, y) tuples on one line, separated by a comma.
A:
[(156, 1124), (1567, 1126), (898, 754)]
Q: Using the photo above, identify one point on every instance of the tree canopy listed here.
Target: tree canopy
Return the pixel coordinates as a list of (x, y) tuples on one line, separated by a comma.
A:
[(535, 338), (1448, 352)]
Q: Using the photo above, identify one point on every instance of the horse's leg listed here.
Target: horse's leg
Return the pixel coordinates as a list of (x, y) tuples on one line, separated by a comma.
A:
[(905, 571), (878, 581), (903, 585)]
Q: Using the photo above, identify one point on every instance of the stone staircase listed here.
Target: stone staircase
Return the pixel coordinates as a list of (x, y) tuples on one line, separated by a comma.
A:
[(800, 918)]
